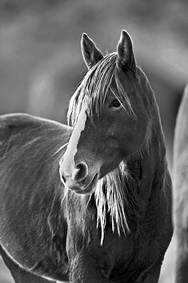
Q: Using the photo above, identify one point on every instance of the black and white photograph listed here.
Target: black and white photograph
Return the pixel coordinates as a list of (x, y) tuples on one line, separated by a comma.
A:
[(93, 141)]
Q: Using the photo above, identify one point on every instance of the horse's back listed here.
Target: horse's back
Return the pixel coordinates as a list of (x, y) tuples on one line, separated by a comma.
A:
[(180, 171), (15, 125)]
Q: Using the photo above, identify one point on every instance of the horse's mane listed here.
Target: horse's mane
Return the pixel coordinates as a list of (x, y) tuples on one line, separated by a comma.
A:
[(115, 191)]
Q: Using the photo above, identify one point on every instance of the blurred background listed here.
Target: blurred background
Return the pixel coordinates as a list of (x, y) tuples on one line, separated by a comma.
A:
[(41, 63)]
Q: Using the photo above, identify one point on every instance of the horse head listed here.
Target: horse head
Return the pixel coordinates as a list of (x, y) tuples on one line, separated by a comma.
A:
[(109, 113)]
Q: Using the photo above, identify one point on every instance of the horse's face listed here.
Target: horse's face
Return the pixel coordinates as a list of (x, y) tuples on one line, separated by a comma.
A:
[(103, 136)]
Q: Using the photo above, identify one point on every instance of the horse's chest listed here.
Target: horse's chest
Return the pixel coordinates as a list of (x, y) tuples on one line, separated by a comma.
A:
[(127, 258)]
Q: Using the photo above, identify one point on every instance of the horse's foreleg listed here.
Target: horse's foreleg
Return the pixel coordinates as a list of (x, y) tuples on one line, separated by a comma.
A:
[(83, 270), (20, 275)]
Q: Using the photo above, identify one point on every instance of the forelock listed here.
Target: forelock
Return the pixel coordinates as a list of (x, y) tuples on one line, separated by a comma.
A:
[(94, 88)]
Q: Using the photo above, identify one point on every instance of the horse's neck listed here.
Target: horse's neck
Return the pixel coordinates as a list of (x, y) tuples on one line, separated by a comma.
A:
[(149, 168)]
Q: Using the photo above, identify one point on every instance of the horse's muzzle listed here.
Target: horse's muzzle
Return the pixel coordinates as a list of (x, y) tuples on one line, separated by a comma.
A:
[(77, 178)]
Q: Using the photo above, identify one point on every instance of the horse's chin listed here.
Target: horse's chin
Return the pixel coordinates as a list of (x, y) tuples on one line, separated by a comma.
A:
[(82, 188)]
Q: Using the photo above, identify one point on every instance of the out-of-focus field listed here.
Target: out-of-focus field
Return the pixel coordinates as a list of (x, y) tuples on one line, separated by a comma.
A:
[(41, 63)]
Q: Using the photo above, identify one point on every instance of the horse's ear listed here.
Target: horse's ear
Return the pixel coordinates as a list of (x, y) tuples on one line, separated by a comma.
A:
[(91, 54), (125, 52)]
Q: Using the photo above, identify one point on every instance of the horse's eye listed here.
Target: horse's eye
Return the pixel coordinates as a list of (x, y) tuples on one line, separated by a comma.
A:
[(115, 104)]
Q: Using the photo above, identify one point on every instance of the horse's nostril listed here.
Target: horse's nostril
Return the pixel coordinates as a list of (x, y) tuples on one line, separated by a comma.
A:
[(81, 172)]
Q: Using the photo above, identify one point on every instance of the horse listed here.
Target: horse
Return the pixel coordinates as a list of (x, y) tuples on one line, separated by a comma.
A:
[(180, 199), (89, 201)]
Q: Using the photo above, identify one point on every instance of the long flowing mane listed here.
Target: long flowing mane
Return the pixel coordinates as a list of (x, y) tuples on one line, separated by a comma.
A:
[(113, 193)]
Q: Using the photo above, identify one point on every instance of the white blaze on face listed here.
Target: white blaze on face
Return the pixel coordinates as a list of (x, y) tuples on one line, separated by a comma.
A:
[(67, 163)]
